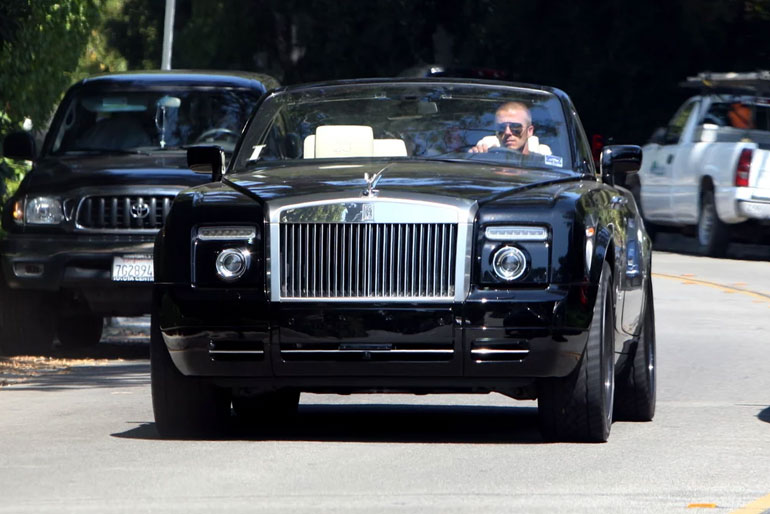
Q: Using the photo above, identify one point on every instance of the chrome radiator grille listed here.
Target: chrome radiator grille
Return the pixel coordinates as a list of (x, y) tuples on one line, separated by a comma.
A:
[(368, 260), (123, 212)]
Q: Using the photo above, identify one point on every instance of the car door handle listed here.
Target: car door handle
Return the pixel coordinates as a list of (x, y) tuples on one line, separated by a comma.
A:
[(669, 159)]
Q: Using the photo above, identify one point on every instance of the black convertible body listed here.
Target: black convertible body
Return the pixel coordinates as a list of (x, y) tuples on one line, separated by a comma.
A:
[(324, 260)]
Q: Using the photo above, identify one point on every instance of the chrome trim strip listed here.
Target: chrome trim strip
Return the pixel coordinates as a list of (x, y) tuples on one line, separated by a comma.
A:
[(490, 351), (369, 299), (368, 351), (388, 208), (249, 352)]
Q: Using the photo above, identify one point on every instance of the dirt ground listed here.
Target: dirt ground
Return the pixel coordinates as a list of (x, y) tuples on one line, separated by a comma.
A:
[(123, 339)]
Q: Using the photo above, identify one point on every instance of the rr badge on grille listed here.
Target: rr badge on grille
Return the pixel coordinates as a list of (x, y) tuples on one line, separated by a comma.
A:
[(367, 212), (139, 209)]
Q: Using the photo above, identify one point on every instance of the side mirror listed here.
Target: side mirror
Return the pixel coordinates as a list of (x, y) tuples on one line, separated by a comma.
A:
[(658, 136), (207, 159), (619, 161), (20, 145)]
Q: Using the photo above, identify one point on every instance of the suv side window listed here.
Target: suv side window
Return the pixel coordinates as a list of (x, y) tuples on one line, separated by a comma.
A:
[(677, 123)]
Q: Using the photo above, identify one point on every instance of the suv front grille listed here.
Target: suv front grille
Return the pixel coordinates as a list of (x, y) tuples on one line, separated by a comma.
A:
[(123, 212)]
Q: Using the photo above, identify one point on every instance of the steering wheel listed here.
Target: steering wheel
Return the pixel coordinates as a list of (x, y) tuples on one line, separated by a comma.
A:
[(217, 133), (504, 150)]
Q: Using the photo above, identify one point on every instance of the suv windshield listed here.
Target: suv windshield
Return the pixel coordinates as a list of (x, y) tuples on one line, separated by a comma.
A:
[(512, 125), (126, 121)]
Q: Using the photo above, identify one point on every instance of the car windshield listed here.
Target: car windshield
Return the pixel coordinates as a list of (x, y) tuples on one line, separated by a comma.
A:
[(155, 119), (511, 125)]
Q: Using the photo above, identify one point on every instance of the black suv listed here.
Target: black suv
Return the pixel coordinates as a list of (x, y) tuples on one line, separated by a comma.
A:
[(80, 229)]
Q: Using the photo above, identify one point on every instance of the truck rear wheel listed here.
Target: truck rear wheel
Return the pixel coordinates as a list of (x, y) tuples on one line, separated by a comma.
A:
[(712, 233)]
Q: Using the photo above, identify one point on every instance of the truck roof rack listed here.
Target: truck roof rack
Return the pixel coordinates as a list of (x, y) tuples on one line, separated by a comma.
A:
[(754, 82)]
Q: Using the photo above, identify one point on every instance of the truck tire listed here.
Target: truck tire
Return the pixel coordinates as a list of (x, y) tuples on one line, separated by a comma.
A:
[(79, 330), (713, 236), (636, 390), (579, 407), (184, 407), (27, 321)]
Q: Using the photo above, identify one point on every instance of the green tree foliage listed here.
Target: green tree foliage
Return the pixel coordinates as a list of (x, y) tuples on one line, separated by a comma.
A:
[(42, 42), (620, 61)]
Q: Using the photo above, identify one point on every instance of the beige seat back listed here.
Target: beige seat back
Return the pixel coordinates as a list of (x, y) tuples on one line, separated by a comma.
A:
[(343, 141)]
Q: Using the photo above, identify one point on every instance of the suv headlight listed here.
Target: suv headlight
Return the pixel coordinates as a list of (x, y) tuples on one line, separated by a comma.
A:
[(39, 210)]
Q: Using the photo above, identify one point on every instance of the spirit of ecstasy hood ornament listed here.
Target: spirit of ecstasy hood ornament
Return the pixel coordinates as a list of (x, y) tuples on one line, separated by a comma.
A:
[(371, 183)]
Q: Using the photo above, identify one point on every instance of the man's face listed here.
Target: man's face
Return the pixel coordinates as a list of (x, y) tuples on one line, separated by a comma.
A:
[(513, 129)]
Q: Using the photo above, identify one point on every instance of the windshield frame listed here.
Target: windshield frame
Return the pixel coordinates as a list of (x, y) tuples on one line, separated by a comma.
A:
[(264, 117)]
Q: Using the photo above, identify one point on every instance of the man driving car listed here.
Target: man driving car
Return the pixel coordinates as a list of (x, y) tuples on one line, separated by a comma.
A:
[(513, 127)]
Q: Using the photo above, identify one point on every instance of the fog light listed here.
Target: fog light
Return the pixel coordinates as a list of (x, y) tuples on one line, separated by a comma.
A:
[(509, 263), (232, 264)]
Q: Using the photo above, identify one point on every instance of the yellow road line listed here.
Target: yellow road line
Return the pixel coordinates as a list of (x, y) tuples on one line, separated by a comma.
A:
[(686, 279), (755, 507)]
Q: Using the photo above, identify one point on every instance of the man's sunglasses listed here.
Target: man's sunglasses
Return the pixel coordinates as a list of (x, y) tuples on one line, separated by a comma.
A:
[(515, 128)]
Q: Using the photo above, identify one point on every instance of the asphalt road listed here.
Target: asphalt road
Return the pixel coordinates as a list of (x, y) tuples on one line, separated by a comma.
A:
[(84, 440)]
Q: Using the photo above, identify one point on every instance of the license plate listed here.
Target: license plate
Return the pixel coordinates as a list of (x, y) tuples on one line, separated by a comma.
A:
[(132, 268)]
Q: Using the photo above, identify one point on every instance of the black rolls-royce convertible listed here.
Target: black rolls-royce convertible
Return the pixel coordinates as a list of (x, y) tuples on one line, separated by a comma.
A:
[(415, 235)]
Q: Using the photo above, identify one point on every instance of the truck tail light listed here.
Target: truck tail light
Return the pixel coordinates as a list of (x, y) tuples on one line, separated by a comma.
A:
[(743, 168)]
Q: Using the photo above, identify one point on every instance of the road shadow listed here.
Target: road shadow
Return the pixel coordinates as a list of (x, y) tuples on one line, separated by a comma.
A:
[(385, 423), (680, 243), (764, 415), (108, 374), (115, 350)]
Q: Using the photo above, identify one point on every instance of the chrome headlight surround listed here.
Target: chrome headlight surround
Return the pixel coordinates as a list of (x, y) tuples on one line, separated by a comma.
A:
[(509, 263), (232, 263)]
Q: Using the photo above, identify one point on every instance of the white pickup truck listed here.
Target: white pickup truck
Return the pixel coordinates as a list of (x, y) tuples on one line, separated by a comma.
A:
[(709, 169)]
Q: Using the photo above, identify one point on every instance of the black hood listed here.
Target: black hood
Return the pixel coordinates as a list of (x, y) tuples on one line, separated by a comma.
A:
[(60, 174), (469, 180)]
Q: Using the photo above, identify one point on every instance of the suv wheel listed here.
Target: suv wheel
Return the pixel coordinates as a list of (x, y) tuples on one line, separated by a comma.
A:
[(27, 321), (79, 330)]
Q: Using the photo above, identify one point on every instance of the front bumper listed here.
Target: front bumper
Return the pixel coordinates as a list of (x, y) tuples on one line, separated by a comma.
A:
[(80, 263), (489, 342)]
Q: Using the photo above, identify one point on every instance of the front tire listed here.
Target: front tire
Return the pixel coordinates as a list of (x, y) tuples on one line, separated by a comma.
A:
[(636, 384), (579, 407), (184, 407), (712, 233)]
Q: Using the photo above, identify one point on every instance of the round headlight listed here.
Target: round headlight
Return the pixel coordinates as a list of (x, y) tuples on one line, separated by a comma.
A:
[(232, 264), (509, 263)]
